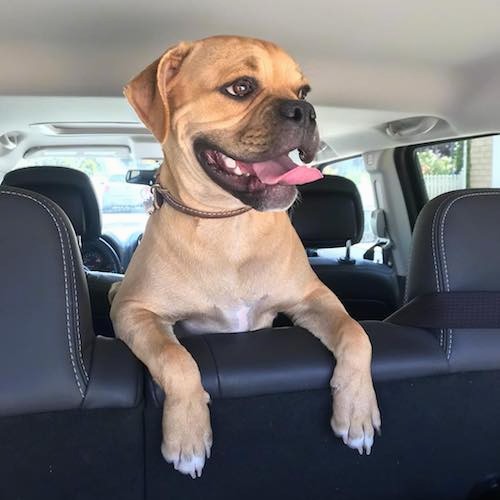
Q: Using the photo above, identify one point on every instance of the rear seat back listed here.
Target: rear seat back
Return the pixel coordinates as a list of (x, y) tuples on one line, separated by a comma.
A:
[(328, 215), (456, 248), (290, 359), (50, 358), (70, 402)]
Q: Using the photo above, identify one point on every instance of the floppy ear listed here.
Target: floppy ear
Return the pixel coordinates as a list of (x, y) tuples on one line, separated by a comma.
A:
[(147, 92)]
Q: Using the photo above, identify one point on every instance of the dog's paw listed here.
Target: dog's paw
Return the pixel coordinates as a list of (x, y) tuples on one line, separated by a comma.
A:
[(356, 416), (187, 435)]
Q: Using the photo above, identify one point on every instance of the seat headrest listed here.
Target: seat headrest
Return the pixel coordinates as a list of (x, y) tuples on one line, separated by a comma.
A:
[(46, 330), (328, 213), (456, 244), (71, 189)]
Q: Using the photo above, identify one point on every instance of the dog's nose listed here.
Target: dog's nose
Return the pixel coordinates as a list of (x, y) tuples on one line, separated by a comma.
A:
[(300, 112)]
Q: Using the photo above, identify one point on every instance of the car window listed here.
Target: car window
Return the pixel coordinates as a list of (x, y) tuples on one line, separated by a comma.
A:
[(462, 164), (355, 170), (117, 178), (124, 207)]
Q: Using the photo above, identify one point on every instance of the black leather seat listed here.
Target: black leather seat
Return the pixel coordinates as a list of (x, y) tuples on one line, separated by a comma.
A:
[(72, 190), (330, 214), (70, 402), (279, 360), (50, 358), (456, 248)]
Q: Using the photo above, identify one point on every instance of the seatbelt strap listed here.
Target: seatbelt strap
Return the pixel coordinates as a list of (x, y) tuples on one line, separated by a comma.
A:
[(385, 246), (451, 310), (379, 227)]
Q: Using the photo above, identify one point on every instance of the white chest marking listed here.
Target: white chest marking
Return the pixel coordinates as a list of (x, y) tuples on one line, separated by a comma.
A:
[(238, 319)]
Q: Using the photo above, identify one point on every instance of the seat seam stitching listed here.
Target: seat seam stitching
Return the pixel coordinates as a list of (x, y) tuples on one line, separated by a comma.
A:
[(77, 307), (66, 291), (443, 250), (437, 264)]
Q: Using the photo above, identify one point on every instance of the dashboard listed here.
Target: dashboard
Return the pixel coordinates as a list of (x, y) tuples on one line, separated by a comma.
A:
[(96, 259), (109, 255)]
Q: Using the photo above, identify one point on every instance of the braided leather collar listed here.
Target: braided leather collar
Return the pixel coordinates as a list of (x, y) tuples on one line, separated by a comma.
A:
[(161, 195)]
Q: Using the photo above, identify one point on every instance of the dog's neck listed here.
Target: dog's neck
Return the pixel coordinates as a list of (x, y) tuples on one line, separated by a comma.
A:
[(226, 233), (235, 238), (194, 190)]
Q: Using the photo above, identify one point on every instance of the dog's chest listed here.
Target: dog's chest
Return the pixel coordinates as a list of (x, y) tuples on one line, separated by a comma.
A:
[(240, 316)]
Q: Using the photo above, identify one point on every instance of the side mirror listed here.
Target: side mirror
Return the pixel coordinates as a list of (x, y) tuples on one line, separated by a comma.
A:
[(146, 177)]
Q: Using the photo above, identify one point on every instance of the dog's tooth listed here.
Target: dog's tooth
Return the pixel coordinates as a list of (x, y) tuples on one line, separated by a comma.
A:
[(229, 162), (238, 171)]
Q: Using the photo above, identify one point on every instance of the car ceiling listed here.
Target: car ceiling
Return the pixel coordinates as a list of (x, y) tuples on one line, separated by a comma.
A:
[(369, 62)]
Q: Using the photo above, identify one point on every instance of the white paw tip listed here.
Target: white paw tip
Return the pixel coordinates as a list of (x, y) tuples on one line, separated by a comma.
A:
[(361, 444), (191, 466), (341, 434), (356, 444)]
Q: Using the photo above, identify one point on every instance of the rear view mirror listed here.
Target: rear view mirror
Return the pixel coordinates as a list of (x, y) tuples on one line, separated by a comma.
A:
[(146, 177)]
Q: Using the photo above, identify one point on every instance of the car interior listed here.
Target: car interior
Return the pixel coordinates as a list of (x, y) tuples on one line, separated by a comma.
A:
[(401, 228)]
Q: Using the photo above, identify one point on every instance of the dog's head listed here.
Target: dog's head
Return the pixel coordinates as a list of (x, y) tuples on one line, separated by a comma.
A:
[(232, 109)]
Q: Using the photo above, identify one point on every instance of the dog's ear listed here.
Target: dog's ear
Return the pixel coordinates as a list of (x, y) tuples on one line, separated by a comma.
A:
[(147, 92)]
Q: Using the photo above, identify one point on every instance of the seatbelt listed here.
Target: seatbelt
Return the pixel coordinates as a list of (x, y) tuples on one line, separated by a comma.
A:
[(450, 310), (380, 230), (385, 246)]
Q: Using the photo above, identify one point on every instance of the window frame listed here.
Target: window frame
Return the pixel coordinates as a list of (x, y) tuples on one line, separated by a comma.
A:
[(410, 174)]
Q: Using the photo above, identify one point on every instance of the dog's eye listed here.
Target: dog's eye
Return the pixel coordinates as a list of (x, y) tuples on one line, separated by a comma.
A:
[(240, 88), (302, 94)]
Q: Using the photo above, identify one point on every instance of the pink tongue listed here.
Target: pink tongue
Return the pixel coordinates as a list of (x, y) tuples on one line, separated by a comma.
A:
[(283, 170)]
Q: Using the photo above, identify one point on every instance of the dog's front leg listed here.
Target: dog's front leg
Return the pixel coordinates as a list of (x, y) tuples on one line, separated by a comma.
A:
[(355, 410), (187, 436)]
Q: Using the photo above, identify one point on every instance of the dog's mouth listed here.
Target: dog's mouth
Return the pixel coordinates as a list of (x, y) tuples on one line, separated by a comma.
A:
[(256, 176), (262, 181)]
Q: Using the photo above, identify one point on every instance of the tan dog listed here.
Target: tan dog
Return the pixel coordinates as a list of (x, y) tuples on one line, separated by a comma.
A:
[(227, 111)]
